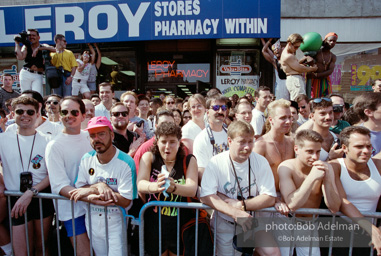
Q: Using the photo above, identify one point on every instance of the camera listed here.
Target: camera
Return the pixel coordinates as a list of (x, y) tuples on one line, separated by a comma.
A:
[(239, 197), (139, 124), (22, 37), (26, 181), (338, 108)]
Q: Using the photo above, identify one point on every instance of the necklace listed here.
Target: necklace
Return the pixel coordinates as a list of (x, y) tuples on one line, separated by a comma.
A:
[(329, 60)]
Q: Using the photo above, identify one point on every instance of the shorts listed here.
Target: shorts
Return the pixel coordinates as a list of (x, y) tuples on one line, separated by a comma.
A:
[(92, 86), (224, 236), (77, 87), (79, 224), (33, 210), (295, 85)]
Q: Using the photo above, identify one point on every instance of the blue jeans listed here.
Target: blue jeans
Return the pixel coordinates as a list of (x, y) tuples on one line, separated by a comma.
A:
[(64, 89)]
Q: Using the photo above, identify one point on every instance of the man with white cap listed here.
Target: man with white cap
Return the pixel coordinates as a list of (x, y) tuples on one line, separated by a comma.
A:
[(106, 177)]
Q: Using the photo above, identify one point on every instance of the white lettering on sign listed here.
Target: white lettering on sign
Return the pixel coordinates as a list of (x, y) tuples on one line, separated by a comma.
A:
[(4, 38), (112, 21), (134, 20), (177, 8), (246, 26), (74, 26), (187, 27), (31, 22)]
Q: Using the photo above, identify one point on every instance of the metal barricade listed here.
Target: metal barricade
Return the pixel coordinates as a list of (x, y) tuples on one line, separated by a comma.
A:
[(56, 198)]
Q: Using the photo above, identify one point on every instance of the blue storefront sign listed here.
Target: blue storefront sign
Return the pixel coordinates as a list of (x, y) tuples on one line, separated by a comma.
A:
[(139, 20)]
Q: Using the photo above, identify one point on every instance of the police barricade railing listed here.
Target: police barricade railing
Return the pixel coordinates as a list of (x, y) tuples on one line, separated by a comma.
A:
[(56, 198), (315, 213)]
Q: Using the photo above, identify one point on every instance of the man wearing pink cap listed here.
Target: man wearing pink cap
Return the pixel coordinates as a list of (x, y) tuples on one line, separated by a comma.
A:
[(319, 80), (106, 177)]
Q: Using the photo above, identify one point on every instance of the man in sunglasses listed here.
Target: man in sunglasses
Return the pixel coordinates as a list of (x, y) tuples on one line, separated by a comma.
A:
[(338, 111), (22, 154), (63, 156), (263, 98), (52, 108), (293, 67), (111, 183), (64, 60), (124, 140), (303, 107), (213, 139)]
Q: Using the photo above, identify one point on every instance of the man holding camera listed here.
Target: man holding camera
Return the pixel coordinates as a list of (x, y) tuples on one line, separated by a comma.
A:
[(31, 52), (23, 158), (65, 62), (338, 111)]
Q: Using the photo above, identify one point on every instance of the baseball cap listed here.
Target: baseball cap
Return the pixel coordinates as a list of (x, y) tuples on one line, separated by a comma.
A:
[(98, 121)]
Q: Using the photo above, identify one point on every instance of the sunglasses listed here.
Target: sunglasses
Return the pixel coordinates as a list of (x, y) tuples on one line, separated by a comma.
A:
[(116, 114), (73, 112), (30, 112), (52, 102), (217, 107), (170, 102), (318, 100), (303, 107)]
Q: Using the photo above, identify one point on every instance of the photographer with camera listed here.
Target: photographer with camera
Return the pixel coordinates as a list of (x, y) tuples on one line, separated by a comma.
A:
[(31, 52), (65, 62)]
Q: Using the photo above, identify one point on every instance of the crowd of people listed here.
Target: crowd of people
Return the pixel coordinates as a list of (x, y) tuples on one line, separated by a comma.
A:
[(236, 155)]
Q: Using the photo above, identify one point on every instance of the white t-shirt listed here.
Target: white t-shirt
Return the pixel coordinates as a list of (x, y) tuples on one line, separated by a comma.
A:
[(258, 121), (101, 110), (219, 177), (324, 155), (47, 128), (84, 74), (119, 174), (190, 130), (63, 155), (203, 149), (10, 157)]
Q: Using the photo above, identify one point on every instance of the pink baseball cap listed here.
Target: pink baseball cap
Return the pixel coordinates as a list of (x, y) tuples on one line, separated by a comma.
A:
[(98, 121)]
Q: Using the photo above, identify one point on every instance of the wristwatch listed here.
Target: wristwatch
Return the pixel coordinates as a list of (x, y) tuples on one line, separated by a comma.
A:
[(34, 191)]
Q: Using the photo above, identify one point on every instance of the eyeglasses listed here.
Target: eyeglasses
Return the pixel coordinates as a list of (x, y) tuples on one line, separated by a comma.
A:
[(30, 112), (52, 102), (116, 114), (296, 47), (199, 106), (318, 100), (217, 107), (170, 102), (73, 112)]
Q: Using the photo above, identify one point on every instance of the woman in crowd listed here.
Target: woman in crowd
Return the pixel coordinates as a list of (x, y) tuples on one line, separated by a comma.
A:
[(82, 74), (178, 117), (167, 154), (186, 116), (197, 108), (169, 102)]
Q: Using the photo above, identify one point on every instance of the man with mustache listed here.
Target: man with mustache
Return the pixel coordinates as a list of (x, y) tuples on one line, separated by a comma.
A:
[(304, 180), (106, 177), (52, 108), (322, 117), (213, 139)]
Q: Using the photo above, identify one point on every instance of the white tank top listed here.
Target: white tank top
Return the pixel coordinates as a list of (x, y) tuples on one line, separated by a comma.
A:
[(363, 194)]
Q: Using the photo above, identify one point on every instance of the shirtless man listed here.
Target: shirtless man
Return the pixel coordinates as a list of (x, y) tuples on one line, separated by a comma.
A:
[(319, 81), (305, 179), (358, 180), (293, 67), (275, 146)]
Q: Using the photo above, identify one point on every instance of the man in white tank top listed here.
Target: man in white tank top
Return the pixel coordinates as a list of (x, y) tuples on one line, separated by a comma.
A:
[(358, 178)]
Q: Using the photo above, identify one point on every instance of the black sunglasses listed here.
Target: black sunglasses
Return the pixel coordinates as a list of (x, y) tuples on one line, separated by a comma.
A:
[(52, 102), (116, 114), (303, 107), (30, 112), (318, 100), (217, 107), (73, 112)]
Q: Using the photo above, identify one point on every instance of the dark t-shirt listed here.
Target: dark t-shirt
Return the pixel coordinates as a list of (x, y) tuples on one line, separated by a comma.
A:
[(122, 143), (4, 96), (30, 61)]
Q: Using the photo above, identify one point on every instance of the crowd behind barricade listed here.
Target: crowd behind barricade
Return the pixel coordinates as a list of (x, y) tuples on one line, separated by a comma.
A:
[(236, 155)]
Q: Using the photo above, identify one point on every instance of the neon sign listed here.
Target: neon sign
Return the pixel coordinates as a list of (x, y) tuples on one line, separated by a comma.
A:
[(166, 70)]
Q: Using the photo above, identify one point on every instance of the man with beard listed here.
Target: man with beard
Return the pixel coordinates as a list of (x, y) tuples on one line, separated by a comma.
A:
[(63, 155), (90, 112), (111, 183), (318, 80), (213, 139), (52, 108), (273, 57), (124, 140)]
